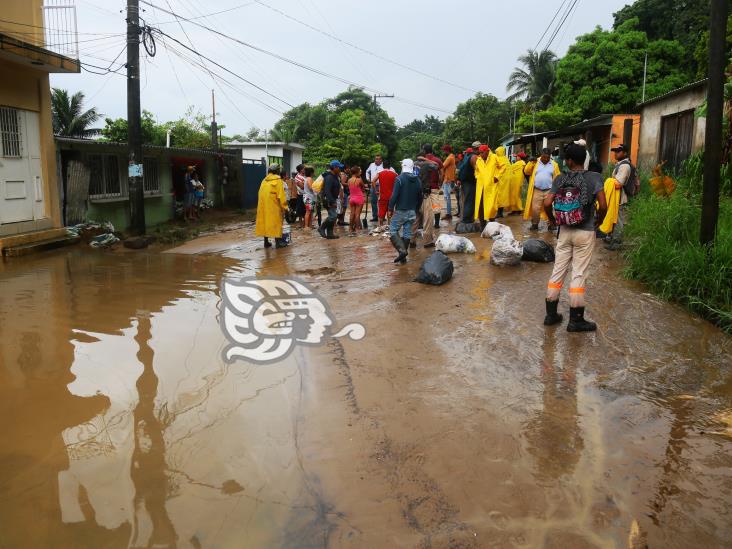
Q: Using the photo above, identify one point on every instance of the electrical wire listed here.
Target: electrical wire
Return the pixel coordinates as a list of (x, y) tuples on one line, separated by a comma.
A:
[(292, 61), (368, 52), (543, 34), (561, 23), (207, 15)]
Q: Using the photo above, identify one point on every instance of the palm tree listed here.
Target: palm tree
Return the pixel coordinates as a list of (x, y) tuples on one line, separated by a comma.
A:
[(69, 118), (535, 82)]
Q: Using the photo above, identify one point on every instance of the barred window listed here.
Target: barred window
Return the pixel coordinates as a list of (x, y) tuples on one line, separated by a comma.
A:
[(104, 181), (10, 137), (151, 181)]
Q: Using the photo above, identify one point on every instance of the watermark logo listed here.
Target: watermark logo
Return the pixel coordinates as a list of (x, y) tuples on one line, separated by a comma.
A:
[(266, 318)]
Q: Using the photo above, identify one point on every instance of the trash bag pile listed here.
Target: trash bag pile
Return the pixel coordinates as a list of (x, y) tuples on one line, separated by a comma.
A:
[(462, 228), (450, 243), (436, 269), (103, 240), (496, 230), (537, 250), (99, 235), (506, 251)]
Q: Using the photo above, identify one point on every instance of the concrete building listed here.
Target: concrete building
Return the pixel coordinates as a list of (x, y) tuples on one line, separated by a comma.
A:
[(96, 173), (670, 131), (29, 184), (287, 155)]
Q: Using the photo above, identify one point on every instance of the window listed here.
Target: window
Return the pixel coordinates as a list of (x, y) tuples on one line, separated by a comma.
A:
[(151, 182), (104, 179), (10, 137)]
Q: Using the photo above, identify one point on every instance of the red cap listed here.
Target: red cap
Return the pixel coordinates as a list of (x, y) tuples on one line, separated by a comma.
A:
[(484, 148), (521, 155), (469, 150)]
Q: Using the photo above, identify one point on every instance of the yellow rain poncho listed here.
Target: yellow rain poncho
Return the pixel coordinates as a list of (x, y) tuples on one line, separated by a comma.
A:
[(612, 196), (271, 207), (530, 194), (515, 186), (486, 187), (502, 174)]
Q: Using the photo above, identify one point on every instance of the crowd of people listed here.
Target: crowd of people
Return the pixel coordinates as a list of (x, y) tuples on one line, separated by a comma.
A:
[(564, 190)]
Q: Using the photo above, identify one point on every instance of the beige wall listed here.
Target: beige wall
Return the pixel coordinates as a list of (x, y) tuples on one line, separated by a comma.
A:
[(650, 128), (24, 88), (28, 12)]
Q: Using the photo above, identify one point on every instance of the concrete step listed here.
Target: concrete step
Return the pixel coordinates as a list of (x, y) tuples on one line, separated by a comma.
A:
[(30, 237), (40, 246)]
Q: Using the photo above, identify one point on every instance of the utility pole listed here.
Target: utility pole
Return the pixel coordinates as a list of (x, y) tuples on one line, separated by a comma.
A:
[(645, 74), (713, 134), (134, 124)]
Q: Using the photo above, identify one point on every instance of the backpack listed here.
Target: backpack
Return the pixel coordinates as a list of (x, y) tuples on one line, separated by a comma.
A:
[(425, 174), (465, 168), (629, 186), (570, 207)]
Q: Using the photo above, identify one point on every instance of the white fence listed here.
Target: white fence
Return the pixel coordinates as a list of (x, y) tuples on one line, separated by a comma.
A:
[(59, 23)]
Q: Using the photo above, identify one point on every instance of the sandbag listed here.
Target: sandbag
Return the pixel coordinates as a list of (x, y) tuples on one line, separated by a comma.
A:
[(497, 230), (506, 251), (462, 228), (436, 269), (451, 243), (537, 250)]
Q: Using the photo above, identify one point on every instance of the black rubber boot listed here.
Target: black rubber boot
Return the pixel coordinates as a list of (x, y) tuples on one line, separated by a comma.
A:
[(406, 244), (577, 322), (500, 212), (329, 230), (398, 244), (322, 229), (437, 221), (552, 317), (279, 243), (267, 243)]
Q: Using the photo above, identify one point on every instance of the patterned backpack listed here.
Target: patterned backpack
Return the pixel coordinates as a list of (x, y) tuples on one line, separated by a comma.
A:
[(572, 202)]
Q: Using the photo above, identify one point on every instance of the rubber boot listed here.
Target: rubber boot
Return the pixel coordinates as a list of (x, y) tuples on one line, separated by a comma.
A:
[(552, 317), (322, 228), (398, 244), (267, 243), (500, 212), (329, 230), (437, 221), (406, 244), (279, 243), (577, 322)]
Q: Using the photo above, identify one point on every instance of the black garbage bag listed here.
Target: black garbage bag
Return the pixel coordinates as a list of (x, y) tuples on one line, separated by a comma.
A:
[(436, 269), (537, 250), (462, 228)]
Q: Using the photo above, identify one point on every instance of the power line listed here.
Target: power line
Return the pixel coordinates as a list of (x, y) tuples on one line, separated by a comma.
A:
[(561, 23), (543, 34), (359, 48), (224, 68), (291, 61), (205, 16)]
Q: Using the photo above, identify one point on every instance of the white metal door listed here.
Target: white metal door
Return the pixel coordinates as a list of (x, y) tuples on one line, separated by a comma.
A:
[(21, 187)]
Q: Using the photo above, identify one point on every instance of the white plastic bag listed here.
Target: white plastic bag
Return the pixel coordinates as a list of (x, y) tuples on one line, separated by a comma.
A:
[(497, 230), (451, 243), (506, 251)]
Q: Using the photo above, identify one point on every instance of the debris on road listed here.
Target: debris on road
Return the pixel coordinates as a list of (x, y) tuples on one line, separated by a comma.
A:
[(462, 228), (450, 243), (538, 251), (436, 269), (506, 251), (496, 230)]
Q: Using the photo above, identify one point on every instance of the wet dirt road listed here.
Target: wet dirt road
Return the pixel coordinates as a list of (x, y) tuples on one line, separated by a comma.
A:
[(459, 421)]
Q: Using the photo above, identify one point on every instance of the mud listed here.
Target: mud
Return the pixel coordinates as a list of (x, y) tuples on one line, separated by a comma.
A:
[(459, 421)]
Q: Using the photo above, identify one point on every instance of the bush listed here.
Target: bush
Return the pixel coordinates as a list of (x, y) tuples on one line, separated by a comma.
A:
[(665, 253)]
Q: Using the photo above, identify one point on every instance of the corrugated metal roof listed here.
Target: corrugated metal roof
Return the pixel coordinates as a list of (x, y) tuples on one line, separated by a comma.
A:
[(92, 142), (677, 91)]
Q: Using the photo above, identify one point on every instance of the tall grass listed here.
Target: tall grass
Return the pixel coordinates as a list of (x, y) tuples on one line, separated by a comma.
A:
[(664, 250)]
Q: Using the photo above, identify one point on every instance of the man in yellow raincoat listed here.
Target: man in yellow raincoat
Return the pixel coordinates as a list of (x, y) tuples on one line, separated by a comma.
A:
[(485, 189), (271, 208), (516, 184), (502, 174), (542, 174)]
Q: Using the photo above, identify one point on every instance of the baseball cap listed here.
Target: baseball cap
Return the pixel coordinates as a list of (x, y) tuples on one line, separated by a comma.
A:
[(521, 154), (336, 164), (476, 144), (407, 165), (469, 150), (619, 148), (483, 148)]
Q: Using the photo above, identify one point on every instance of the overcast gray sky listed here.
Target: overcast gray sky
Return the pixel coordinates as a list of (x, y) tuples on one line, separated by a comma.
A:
[(430, 36)]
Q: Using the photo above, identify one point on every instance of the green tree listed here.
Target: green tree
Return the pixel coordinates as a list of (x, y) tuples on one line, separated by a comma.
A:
[(115, 130), (483, 117), (534, 83), (352, 140), (69, 117), (602, 72), (553, 118), (419, 132)]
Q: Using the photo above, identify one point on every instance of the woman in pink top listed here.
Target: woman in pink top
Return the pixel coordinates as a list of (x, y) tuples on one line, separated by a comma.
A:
[(357, 199)]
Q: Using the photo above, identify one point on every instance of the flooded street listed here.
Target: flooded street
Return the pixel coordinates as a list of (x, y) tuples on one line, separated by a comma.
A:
[(458, 421)]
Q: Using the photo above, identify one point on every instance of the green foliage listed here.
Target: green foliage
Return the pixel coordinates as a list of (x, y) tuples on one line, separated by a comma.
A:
[(115, 130), (681, 20), (665, 252), (701, 53), (192, 131), (69, 117), (417, 133), (329, 129), (534, 83), (602, 72), (483, 117), (553, 118)]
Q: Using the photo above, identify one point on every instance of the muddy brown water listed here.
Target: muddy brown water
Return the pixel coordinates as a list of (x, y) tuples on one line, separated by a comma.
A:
[(459, 421)]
